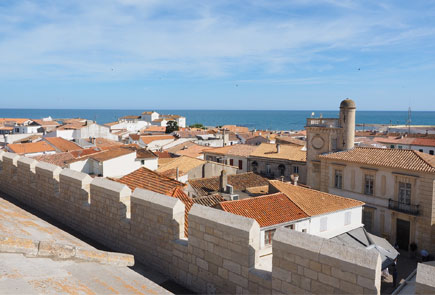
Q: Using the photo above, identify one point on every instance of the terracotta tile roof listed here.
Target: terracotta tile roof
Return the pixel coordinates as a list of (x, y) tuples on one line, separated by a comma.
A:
[(287, 151), (289, 140), (130, 117), (159, 120), (209, 201), (18, 121), (193, 151), (72, 126), (104, 142), (148, 113), (424, 141), (237, 129), (45, 123), (150, 180), (155, 129), (183, 163), (391, 158), (394, 140), (180, 146), (30, 148), (62, 144), (6, 128), (60, 159), (188, 203), (258, 190), (85, 152), (314, 202), (240, 182), (266, 210), (31, 138), (145, 154), (190, 133), (110, 154), (134, 136), (241, 150), (151, 138), (163, 154)]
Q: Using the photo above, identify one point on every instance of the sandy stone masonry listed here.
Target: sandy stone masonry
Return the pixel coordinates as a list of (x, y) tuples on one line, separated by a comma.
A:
[(221, 254)]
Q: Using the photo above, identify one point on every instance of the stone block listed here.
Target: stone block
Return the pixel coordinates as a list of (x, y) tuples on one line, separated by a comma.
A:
[(329, 280), (309, 273), (56, 250), (231, 266)]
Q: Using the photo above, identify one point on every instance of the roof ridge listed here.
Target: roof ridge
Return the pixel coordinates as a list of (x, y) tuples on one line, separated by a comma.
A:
[(255, 198), (423, 159)]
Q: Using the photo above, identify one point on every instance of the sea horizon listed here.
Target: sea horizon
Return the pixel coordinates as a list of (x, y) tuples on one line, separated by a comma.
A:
[(253, 119)]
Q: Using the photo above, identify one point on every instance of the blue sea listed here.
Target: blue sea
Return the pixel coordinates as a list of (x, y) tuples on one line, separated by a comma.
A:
[(265, 120)]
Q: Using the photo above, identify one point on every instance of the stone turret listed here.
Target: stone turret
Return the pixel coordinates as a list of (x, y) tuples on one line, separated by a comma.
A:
[(326, 135), (347, 122)]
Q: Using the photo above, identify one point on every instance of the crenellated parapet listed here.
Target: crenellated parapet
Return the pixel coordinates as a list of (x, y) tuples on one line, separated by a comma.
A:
[(221, 254)]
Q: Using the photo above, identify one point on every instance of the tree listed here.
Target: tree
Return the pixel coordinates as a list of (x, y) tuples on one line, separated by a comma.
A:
[(197, 125), (172, 126)]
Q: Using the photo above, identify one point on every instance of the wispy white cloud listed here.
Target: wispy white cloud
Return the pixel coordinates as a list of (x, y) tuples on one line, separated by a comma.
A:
[(87, 39)]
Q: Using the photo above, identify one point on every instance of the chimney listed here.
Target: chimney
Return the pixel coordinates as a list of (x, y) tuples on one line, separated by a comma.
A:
[(278, 148), (177, 174), (295, 178), (223, 181)]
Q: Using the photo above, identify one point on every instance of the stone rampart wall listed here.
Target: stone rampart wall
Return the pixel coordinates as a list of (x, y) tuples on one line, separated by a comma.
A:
[(221, 254)]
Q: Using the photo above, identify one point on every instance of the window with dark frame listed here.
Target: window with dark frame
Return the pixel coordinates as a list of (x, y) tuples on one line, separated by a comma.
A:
[(338, 179), (405, 193), (369, 184)]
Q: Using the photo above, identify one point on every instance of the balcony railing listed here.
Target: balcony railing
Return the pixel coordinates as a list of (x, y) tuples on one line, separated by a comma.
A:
[(402, 207), (323, 122)]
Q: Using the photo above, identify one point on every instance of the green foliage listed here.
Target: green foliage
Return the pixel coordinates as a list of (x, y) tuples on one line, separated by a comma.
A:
[(197, 125), (172, 126)]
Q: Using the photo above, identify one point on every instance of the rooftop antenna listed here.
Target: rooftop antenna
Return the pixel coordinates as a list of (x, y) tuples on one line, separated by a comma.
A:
[(409, 120)]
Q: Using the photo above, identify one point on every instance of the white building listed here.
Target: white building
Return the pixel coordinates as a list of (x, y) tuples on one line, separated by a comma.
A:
[(76, 132), (300, 209), (109, 163), (233, 155)]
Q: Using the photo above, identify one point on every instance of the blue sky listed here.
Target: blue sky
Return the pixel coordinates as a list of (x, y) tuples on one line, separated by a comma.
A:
[(259, 54)]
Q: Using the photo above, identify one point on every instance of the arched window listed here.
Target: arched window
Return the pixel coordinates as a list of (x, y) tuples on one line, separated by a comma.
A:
[(281, 169)]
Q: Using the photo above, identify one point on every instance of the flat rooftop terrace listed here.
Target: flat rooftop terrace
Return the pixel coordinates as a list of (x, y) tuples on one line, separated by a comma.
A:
[(30, 273)]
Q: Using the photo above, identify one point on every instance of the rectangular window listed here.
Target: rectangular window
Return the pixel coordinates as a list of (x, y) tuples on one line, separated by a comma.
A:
[(323, 224), (392, 146), (431, 152), (291, 226), (400, 147), (296, 169), (405, 193), (369, 184), (142, 162), (240, 164), (268, 236), (268, 169), (231, 162), (304, 230), (338, 179), (347, 218), (367, 219)]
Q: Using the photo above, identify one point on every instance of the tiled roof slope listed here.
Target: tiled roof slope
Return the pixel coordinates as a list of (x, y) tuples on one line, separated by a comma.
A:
[(62, 144), (194, 151), (314, 202), (391, 158), (242, 150), (59, 159), (183, 163), (151, 138), (209, 201), (266, 210), (424, 141), (32, 147), (289, 140), (287, 152), (240, 182), (110, 154), (150, 180)]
